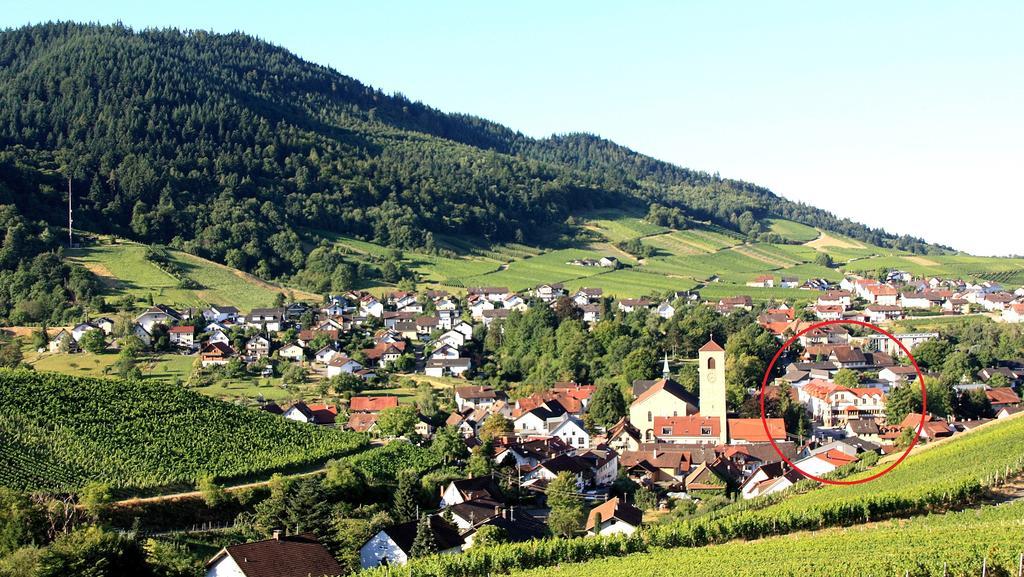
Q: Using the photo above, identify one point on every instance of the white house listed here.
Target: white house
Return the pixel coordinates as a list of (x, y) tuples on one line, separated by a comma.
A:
[(571, 431), (157, 315), (665, 310), (292, 352), (219, 314), (80, 329), (447, 367), (614, 517), (1014, 313), (825, 462), (340, 364), (393, 545)]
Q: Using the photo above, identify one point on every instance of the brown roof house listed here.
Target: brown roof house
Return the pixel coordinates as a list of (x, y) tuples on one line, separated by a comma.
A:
[(614, 517), (280, 556)]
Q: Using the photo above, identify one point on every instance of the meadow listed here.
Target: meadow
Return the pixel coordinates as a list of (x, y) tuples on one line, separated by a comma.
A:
[(124, 270)]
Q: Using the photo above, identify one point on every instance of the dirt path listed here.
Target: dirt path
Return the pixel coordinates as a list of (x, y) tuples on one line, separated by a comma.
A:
[(825, 241)]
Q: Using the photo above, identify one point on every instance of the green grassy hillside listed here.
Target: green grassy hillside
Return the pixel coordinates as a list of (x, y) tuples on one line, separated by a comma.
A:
[(59, 432), (124, 270), (706, 257)]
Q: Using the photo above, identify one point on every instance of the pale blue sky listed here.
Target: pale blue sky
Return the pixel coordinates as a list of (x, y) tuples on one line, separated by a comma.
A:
[(905, 115)]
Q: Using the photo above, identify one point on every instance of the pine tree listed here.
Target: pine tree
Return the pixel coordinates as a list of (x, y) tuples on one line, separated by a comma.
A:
[(424, 544), (406, 497)]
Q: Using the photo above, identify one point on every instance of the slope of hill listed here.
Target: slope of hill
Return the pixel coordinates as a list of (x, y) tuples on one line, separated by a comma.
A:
[(124, 270), (61, 432), (703, 256), (225, 146)]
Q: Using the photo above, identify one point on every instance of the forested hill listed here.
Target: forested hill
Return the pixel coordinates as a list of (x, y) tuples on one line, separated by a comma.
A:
[(229, 147)]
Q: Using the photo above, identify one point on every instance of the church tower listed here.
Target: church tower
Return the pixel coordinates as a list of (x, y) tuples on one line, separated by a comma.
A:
[(711, 369)]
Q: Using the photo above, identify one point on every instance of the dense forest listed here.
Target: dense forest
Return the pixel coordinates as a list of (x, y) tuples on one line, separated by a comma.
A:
[(232, 148)]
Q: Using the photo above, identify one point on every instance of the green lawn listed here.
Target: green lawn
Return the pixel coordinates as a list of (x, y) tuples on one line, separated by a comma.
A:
[(160, 367)]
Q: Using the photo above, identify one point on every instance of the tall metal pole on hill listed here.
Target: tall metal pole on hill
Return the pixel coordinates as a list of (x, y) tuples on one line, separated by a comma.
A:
[(71, 242)]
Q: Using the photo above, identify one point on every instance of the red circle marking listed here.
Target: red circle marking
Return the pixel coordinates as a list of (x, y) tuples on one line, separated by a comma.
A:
[(920, 378)]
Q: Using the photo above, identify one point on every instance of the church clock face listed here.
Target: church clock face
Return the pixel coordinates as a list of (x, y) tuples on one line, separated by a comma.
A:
[(712, 376)]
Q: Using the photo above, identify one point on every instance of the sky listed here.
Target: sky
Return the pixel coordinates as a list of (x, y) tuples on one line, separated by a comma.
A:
[(907, 116)]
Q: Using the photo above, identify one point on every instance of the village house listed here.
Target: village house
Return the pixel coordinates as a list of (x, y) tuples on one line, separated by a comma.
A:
[(157, 315), (257, 348), (727, 305), (182, 336), (1013, 313), (585, 296), (835, 298), (476, 396), (763, 281), (630, 305), (393, 545), (447, 367), (269, 319), (834, 405), (219, 314), (63, 338), (591, 312), (493, 294), (321, 414), (292, 352), (384, 353), (341, 364), (614, 517), (549, 292), (279, 556), (489, 316), (215, 353), (880, 313)]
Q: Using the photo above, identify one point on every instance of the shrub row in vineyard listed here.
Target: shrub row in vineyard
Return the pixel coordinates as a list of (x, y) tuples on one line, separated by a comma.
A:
[(60, 432), (953, 474), (954, 544), (383, 464)]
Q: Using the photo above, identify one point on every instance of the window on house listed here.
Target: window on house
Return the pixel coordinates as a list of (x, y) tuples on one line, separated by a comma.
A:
[(649, 417), (705, 430), (666, 430), (711, 362)]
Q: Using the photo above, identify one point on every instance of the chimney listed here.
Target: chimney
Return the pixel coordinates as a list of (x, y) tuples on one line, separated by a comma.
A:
[(277, 535)]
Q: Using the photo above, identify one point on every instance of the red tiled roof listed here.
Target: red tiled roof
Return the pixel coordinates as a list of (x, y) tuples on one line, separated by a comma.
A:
[(1002, 396), (689, 426), (711, 346), (752, 430), (371, 404)]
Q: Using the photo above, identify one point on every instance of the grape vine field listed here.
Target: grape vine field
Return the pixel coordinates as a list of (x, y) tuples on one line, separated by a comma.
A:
[(59, 432), (954, 544)]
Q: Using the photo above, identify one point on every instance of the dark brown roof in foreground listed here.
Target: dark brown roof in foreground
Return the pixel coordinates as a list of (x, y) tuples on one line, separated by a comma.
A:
[(293, 556)]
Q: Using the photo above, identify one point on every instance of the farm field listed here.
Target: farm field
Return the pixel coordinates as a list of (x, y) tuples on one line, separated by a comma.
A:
[(143, 435), (794, 231), (125, 270), (939, 545), (682, 260)]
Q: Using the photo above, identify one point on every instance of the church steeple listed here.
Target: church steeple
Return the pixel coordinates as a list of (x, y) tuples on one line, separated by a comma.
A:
[(665, 372), (711, 373)]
